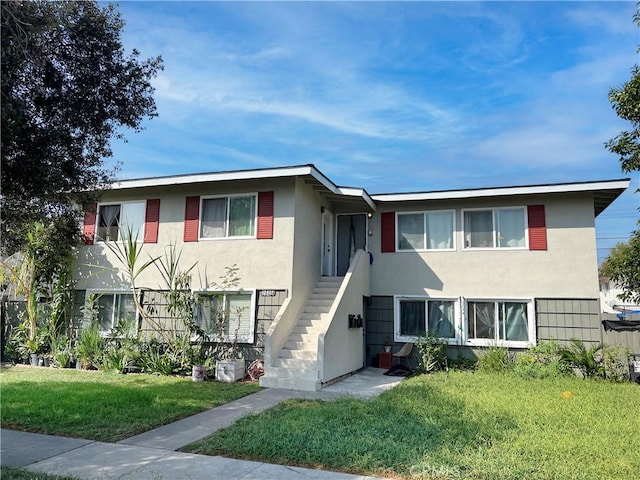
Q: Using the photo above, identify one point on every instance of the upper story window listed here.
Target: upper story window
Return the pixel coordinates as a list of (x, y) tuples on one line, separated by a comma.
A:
[(426, 230), (231, 313), (233, 216), (116, 220), (495, 228)]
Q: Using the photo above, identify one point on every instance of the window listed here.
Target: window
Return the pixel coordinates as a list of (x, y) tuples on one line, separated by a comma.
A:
[(495, 321), (495, 228), (114, 309), (233, 216), (116, 220), (426, 231), (414, 316), (234, 311)]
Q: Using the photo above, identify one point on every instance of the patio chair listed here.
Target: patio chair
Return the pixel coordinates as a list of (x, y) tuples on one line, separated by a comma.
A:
[(403, 353)]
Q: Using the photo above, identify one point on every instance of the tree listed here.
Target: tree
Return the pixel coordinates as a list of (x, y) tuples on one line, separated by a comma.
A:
[(68, 88), (626, 102), (622, 265)]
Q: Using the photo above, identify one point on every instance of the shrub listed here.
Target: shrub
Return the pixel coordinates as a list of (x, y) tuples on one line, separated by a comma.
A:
[(542, 361), (494, 359), (462, 363), (582, 358), (432, 353), (90, 347), (615, 362)]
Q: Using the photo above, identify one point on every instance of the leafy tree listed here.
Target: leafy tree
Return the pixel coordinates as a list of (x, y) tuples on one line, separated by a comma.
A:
[(626, 102), (67, 89), (622, 265)]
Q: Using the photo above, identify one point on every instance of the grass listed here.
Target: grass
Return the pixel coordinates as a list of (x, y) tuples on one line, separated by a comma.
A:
[(11, 473), (104, 406), (456, 425)]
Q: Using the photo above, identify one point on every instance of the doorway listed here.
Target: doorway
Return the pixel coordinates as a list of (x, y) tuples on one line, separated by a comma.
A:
[(351, 237)]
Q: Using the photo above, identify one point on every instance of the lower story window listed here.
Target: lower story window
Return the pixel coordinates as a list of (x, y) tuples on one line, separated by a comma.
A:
[(416, 316), (114, 310), (498, 320), (230, 314)]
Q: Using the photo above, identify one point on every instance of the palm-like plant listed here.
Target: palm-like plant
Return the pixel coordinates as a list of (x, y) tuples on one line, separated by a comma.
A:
[(583, 358)]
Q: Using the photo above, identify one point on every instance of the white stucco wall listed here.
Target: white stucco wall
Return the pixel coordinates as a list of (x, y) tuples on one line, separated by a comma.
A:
[(567, 269), (262, 264)]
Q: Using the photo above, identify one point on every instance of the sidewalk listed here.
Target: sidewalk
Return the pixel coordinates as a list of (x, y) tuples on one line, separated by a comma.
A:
[(152, 455)]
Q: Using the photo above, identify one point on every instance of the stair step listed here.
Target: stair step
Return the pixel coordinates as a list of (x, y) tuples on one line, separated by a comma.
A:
[(322, 296), (303, 338), (287, 353), (309, 345), (296, 364), (291, 383), (302, 330)]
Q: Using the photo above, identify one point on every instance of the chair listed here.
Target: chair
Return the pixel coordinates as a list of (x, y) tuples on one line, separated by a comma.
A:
[(403, 353)]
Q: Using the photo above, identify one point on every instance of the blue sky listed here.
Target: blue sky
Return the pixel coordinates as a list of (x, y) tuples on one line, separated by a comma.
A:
[(389, 96)]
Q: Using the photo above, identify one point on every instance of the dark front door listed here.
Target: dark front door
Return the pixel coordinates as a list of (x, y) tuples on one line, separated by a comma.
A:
[(352, 236)]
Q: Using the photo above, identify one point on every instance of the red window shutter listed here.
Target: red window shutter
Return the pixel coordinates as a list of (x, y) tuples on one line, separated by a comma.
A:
[(191, 219), (89, 224), (152, 221), (537, 227), (388, 232), (265, 215)]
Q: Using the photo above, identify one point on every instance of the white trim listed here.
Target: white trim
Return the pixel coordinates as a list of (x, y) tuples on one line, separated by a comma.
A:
[(492, 342), (226, 224), (424, 216), (141, 231), (493, 226), (503, 191), (243, 339), (86, 317), (282, 172), (455, 340)]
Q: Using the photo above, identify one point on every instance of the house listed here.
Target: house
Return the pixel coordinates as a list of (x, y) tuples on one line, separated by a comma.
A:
[(327, 272)]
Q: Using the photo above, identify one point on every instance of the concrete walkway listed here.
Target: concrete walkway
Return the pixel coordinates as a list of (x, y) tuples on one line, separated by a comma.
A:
[(152, 455)]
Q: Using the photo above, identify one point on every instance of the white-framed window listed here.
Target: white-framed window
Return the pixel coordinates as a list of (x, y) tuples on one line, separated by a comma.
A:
[(495, 228), (114, 309), (432, 230), (234, 310), (500, 322), (230, 216), (115, 220), (414, 316)]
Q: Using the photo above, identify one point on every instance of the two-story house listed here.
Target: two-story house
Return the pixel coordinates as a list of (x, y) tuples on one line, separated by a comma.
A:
[(328, 272)]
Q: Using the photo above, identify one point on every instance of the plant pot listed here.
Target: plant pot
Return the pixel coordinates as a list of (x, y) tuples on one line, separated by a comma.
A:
[(34, 360), (230, 370), (198, 373), (387, 348)]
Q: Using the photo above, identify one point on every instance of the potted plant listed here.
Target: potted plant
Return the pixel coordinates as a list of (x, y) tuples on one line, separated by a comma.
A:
[(230, 366), (388, 344)]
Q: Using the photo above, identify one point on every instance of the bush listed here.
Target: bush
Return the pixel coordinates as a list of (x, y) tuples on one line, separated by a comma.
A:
[(494, 359), (582, 358), (432, 353), (615, 360), (542, 361)]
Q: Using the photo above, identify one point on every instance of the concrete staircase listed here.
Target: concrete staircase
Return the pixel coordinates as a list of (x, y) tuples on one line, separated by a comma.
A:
[(297, 364)]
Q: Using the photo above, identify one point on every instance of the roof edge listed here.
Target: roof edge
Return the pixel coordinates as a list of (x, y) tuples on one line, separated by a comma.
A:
[(618, 184)]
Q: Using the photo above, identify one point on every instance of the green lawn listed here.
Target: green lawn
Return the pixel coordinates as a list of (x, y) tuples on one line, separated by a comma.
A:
[(103, 406), (453, 425), (10, 473)]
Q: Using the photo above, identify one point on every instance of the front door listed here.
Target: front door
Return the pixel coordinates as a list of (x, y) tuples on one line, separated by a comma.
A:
[(351, 237), (326, 257)]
